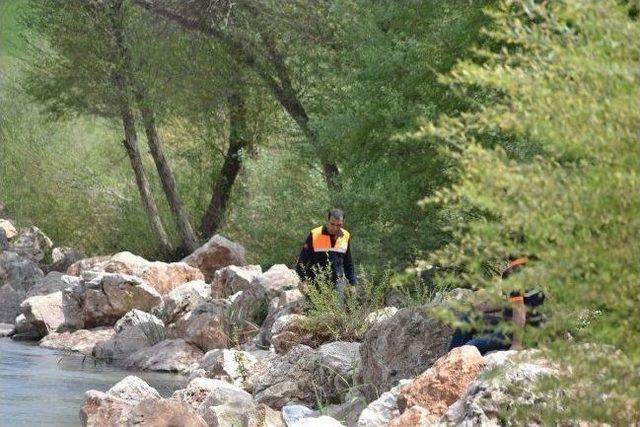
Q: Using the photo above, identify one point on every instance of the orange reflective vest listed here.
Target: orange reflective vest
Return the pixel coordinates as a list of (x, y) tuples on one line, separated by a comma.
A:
[(322, 242)]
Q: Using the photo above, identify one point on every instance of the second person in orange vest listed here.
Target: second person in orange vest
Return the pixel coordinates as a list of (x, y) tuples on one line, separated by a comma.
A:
[(328, 246)]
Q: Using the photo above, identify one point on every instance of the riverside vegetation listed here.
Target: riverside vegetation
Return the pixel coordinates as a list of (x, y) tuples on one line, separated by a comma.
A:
[(454, 134)]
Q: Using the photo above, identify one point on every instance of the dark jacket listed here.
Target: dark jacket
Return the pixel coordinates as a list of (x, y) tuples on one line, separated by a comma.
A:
[(310, 258)]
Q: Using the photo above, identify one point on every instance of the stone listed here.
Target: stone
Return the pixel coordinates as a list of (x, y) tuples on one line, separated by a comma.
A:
[(32, 243), (54, 281), (184, 298), (277, 279), (229, 395), (106, 297), (135, 331), (384, 409), (233, 278), (292, 413), (266, 330), (205, 326), (442, 384), (294, 377), (380, 315), (416, 416), (349, 411), (400, 348), (17, 275), (340, 361), (287, 332), (10, 300), (6, 329), (4, 242), (510, 381), (217, 253), (231, 365), (63, 257), (8, 228), (267, 417), (164, 413), (113, 407), (133, 390), (204, 393), (290, 296), (167, 356), (163, 277), (83, 341), (100, 409), (43, 313), (95, 263), (322, 421), (247, 313)]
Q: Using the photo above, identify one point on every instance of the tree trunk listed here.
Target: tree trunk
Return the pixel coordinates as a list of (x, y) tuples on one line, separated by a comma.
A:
[(189, 240), (130, 143), (221, 192)]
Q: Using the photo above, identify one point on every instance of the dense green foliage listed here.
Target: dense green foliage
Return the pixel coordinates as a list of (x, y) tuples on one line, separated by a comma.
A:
[(570, 82)]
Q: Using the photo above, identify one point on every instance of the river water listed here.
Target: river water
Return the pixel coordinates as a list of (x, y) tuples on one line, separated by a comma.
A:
[(44, 387)]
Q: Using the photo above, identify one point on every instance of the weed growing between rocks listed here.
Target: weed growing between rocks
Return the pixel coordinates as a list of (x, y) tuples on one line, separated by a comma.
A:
[(333, 320)]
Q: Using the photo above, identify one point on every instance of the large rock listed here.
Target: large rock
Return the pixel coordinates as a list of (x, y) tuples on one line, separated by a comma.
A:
[(113, 407), (197, 391), (161, 276), (10, 300), (102, 410), (287, 332), (133, 390), (225, 405), (44, 313), (248, 311), (168, 356), (294, 377), (230, 365), (340, 362), (132, 402), (233, 278), (32, 243), (443, 383), (137, 330), (82, 341), (183, 299), (17, 275), (63, 257), (400, 348), (384, 409), (218, 252), (205, 326), (277, 279), (9, 229), (164, 413), (275, 313), (52, 282), (95, 263), (106, 297), (509, 381)]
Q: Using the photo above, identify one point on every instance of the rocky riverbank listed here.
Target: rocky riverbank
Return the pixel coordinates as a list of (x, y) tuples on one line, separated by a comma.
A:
[(235, 331)]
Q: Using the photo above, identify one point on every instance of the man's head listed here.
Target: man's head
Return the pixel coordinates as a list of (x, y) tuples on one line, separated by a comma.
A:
[(335, 220)]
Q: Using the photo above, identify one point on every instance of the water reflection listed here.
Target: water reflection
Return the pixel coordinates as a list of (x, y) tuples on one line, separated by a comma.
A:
[(40, 386)]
